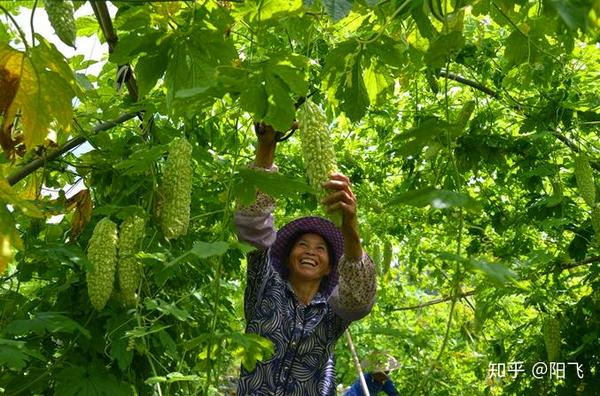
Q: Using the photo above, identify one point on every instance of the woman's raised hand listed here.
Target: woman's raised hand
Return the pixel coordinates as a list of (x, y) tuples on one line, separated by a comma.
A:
[(342, 198)]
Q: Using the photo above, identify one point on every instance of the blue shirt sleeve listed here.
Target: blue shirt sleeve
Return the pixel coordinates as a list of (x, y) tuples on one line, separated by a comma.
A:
[(390, 389)]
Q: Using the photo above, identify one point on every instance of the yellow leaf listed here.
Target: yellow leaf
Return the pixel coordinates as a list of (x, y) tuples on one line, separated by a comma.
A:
[(45, 91), (32, 187), (9, 238), (82, 202), (8, 196)]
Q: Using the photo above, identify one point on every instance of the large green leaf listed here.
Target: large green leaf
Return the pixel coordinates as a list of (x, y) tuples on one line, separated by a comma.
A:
[(437, 199), (208, 249), (443, 49), (15, 354), (93, 380), (337, 9), (272, 183), (45, 322), (44, 94), (191, 76), (497, 273), (272, 90), (573, 12), (268, 11), (140, 160)]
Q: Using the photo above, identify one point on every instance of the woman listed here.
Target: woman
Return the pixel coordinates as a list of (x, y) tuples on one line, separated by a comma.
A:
[(306, 283)]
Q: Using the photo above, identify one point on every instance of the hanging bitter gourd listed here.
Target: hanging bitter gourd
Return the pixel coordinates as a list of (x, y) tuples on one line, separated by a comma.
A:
[(176, 189), (375, 254), (585, 180), (551, 329), (596, 221), (61, 16), (102, 255), (317, 151), (387, 256), (129, 269)]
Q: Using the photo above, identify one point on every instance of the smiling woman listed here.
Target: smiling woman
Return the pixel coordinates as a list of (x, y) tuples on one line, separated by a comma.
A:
[(306, 283), (309, 260)]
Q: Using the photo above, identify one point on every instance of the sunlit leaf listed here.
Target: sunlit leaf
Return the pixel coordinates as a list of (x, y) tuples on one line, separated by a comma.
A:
[(268, 10), (272, 183), (45, 91), (437, 199), (498, 273), (443, 49), (208, 249)]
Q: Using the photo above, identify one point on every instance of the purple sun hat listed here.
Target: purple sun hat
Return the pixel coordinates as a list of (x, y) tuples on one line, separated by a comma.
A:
[(288, 234)]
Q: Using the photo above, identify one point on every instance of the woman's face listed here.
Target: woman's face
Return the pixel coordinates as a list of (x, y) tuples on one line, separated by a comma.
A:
[(309, 258)]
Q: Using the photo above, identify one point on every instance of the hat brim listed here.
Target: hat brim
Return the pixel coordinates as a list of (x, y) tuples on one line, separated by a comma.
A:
[(288, 234)]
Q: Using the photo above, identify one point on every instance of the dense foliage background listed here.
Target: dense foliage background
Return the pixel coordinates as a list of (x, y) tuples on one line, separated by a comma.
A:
[(458, 122)]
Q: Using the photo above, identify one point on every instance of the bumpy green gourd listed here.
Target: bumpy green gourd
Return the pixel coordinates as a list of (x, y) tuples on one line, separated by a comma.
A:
[(465, 114), (375, 253), (585, 179), (129, 269), (60, 13), (317, 150), (387, 256), (551, 330), (176, 189), (102, 255), (596, 221)]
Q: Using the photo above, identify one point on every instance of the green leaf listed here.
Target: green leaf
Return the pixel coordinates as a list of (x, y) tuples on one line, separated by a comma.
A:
[(148, 70), (4, 36), (377, 85), (119, 342), (268, 11), (498, 273), (337, 9), (254, 99), (517, 49), (9, 196), (155, 380), (87, 26), (443, 49), (387, 51), (415, 139), (208, 249), (132, 18), (178, 377), (141, 160), (93, 380), (290, 69), (42, 322), (15, 354), (250, 348), (353, 93), (437, 199), (573, 12), (242, 247), (267, 94), (424, 25), (272, 183), (280, 106), (343, 78), (191, 76)]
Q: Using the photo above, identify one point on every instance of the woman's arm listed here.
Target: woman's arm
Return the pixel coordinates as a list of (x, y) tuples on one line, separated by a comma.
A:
[(355, 294), (254, 223)]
